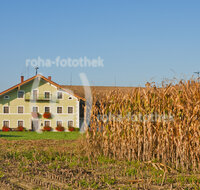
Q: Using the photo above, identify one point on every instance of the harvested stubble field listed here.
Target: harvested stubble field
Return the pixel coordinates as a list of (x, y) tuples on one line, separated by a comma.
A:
[(122, 153), (63, 164)]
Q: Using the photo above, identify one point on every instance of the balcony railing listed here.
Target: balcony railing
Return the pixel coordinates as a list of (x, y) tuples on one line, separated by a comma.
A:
[(40, 97)]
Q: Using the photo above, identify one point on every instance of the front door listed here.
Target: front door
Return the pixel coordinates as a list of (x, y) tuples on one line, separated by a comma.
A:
[(35, 125)]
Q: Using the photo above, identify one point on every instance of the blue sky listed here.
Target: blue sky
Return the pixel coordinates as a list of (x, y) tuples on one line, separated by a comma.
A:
[(139, 40)]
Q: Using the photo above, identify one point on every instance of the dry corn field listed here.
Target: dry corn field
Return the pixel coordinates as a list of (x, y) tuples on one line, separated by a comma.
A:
[(149, 124)]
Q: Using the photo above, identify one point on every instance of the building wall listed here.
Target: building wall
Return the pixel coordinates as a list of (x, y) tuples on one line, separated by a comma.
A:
[(41, 86)]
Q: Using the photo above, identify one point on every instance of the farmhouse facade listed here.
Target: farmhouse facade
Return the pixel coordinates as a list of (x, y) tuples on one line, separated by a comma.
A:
[(39, 102)]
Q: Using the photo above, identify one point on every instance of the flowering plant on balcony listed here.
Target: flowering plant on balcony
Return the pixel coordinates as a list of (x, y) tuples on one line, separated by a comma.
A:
[(35, 115), (60, 128), (6, 129), (47, 115), (20, 128), (47, 128)]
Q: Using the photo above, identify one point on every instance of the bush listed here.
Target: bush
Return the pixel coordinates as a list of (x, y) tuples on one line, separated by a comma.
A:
[(47, 128), (20, 128), (6, 129), (47, 115), (77, 129), (60, 128)]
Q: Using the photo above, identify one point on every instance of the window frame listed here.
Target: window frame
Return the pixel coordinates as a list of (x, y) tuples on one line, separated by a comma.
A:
[(8, 123), (8, 97), (58, 93), (59, 107), (18, 94), (18, 109), (20, 121), (47, 121), (37, 94), (72, 109), (35, 107), (8, 109), (49, 95), (45, 109), (68, 123), (59, 121)]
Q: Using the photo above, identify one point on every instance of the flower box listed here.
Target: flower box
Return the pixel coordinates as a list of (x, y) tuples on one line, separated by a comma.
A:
[(47, 115), (20, 128), (47, 128), (6, 129), (60, 128), (71, 129)]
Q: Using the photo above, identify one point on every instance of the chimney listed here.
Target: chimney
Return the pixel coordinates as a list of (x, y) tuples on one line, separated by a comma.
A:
[(22, 79), (49, 77)]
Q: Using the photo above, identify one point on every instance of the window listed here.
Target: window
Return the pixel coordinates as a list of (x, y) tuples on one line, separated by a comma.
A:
[(20, 94), (20, 123), (59, 95), (70, 109), (5, 109), (59, 109), (47, 123), (20, 109), (6, 123), (70, 124), (6, 97), (35, 109), (47, 109), (47, 95), (34, 94), (59, 123)]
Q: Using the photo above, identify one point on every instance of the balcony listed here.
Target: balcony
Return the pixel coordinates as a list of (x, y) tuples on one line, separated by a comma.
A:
[(40, 97)]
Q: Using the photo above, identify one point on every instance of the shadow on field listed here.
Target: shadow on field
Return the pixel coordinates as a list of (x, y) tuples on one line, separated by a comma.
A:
[(9, 136)]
